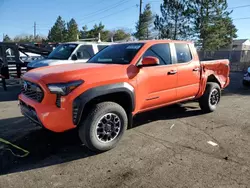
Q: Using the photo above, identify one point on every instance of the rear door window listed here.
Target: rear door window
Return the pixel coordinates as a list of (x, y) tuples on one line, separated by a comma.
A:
[(183, 53), (85, 52)]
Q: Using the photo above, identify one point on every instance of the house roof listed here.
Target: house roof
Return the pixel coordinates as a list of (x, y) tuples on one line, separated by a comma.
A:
[(240, 41)]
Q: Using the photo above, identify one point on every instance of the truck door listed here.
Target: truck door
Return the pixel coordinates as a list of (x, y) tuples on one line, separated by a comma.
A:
[(188, 67), (157, 84)]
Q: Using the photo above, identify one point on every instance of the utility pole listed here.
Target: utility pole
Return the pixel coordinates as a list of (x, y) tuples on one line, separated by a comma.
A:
[(34, 30), (139, 31), (3, 36)]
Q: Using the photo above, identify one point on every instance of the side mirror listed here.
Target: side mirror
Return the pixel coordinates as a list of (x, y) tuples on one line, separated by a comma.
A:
[(74, 57), (150, 60)]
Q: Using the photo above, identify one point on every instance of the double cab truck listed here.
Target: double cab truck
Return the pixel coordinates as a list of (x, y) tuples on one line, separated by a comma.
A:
[(101, 97)]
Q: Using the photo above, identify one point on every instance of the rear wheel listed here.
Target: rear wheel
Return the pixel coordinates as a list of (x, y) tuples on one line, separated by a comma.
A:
[(211, 97), (104, 126)]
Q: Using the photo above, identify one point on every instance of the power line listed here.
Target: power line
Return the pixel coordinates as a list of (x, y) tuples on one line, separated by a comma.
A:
[(105, 9), (243, 6), (244, 18), (112, 14)]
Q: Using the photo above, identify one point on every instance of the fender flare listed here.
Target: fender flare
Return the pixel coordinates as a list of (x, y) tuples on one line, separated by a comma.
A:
[(204, 81), (99, 91)]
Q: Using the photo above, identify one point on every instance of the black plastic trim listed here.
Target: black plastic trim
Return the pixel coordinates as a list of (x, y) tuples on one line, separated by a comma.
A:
[(92, 93), (29, 113)]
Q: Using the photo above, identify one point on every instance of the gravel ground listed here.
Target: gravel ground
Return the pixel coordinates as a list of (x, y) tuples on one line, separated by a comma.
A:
[(168, 147)]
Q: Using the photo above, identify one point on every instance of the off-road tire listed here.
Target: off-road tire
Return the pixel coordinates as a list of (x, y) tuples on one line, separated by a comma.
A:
[(88, 127), (205, 101)]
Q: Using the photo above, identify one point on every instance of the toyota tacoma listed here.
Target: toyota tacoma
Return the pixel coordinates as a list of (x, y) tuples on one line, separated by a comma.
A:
[(101, 97)]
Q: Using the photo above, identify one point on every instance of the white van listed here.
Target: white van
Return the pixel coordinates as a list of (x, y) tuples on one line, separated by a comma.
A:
[(70, 52)]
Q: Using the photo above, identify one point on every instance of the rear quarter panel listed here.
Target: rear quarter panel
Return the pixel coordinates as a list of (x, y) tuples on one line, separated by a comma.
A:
[(220, 69)]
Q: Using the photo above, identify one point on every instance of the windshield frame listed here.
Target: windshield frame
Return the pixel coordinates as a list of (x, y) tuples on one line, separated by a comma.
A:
[(142, 44), (56, 51)]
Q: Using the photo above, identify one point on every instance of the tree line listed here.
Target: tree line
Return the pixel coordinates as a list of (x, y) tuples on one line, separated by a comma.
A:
[(65, 32), (207, 22)]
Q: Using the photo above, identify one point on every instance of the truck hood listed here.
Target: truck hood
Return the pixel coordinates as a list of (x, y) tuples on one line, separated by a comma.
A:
[(46, 62), (70, 72)]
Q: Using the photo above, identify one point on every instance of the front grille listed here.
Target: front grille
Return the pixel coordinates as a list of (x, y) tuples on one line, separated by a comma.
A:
[(32, 91)]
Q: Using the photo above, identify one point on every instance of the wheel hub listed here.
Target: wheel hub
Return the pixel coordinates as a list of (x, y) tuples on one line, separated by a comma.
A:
[(215, 97), (108, 127)]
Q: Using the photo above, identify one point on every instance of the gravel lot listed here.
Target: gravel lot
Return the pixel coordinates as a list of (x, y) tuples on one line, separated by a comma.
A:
[(165, 148)]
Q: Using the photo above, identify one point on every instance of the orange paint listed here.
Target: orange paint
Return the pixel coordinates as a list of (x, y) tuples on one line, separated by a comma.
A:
[(154, 86)]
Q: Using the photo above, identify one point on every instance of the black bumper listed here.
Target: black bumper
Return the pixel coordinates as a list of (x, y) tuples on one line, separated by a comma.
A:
[(29, 113)]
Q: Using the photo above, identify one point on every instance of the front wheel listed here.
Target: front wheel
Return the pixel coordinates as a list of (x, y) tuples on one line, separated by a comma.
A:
[(211, 97), (104, 126)]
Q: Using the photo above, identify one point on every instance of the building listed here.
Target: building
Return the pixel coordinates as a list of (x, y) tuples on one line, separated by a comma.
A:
[(241, 44)]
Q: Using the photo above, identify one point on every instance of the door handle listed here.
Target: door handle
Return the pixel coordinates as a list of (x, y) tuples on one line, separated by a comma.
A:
[(172, 72), (196, 69)]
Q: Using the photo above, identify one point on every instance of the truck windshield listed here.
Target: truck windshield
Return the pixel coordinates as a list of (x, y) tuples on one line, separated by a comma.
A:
[(117, 54), (63, 51)]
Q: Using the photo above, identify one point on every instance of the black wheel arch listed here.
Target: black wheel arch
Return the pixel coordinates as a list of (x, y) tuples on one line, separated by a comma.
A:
[(212, 78), (121, 93)]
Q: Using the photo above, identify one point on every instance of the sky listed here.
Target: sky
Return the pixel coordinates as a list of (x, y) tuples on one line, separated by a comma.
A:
[(17, 17)]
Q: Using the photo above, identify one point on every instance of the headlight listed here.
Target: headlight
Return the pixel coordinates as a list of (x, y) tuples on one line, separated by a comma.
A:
[(64, 88)]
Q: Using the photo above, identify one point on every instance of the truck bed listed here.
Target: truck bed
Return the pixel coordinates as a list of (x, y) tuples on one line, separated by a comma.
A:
[(219, 68)]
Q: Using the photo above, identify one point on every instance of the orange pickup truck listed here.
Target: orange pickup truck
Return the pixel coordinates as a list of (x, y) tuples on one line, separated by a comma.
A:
[(100, 97)]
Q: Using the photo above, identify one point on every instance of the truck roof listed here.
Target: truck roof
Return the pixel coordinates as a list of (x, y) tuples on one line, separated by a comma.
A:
[(84, 42), (156, 41)]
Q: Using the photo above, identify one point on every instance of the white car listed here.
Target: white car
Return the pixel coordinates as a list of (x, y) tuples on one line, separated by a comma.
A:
[(67, 53), (246, 78)]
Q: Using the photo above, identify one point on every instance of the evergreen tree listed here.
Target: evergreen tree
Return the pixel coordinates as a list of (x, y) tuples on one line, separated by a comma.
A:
[(120, 34), (212, 24), (144, 26), (72, 30), (58, 32), (94, 32), (6, 38), (84, 32), (174, 22)]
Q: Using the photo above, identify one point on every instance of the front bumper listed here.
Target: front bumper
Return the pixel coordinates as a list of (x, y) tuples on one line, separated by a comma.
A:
[(29, 112), (47, 115)]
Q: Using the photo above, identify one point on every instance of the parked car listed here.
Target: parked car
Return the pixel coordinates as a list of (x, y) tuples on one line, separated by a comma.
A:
[(246, 78), (68, 53), (100, 97)]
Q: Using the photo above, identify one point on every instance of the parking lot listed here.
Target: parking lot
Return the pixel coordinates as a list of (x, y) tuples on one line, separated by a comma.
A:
[(176, 146)]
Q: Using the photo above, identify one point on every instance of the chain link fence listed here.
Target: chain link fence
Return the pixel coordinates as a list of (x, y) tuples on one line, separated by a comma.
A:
[(239, 60)]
